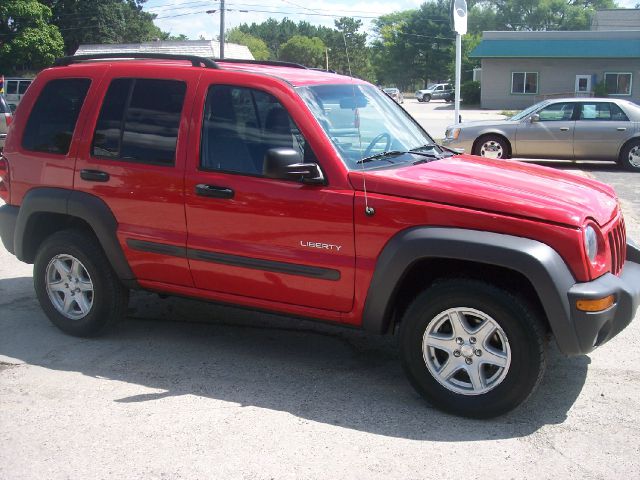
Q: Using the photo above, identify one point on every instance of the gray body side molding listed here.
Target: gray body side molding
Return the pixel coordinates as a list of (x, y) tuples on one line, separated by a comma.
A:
[(538, 262), (82, 205)]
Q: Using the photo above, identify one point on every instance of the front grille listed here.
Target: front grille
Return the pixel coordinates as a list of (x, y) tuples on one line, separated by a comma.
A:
[(618, 246)]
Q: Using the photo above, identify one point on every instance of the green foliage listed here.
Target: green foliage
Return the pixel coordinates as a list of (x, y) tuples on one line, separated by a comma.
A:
[(104, 21), (600, 90), (27, 40), (303, 50), (414, 47), (470, 93), (256, 46)]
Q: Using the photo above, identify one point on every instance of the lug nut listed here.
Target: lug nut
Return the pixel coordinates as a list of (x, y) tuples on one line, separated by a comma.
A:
[(472, 340), (468, 360), (478, 352), (456, 353), (459, 341)]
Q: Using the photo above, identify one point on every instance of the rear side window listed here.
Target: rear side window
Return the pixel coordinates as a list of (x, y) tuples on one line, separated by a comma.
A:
[(53, 117), (139, 121)]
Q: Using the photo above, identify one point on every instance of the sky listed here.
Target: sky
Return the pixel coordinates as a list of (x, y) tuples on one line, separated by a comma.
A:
[(189, 17)]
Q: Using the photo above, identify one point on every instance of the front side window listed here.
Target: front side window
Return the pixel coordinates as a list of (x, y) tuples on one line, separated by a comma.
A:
[(139, 121), (524, 82), (361, 121), (618, 83), (602, 111), (53, 117), (22, 87), (240, 125), (557, 112)]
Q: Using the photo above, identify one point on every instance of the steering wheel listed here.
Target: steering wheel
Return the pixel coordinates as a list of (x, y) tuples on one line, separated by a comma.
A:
[(375, 141)]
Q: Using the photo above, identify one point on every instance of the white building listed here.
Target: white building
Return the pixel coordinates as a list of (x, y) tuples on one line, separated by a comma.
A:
[(200, 48)]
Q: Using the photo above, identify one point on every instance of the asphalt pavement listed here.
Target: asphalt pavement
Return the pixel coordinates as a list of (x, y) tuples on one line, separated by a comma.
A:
[(184, 389)]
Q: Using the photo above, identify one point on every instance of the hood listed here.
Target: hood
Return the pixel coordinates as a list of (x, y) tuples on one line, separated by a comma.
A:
[(508, 187)]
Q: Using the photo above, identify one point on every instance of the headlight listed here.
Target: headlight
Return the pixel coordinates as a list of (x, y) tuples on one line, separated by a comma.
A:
[(590, 243), (452, 133)]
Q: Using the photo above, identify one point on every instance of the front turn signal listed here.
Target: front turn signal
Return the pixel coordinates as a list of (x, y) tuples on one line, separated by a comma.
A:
[(595, 305)]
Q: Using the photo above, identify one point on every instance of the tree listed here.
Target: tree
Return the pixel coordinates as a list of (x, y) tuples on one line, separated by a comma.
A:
[(256, 46), (27, 40), (304, 50), (349, 51), (104, 21)]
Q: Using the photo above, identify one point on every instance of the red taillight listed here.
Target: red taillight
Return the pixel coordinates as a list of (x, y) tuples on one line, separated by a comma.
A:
[(8, 118), (4, 179)]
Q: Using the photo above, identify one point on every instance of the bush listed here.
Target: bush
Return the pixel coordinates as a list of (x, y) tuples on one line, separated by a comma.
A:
[(600, 90), (470, 93)]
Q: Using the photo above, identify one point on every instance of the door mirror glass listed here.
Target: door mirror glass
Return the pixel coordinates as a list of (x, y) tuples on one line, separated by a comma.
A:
[(535, 118), (286, 164)]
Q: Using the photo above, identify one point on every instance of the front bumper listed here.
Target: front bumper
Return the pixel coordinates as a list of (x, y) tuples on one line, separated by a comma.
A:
[(595, 328), (467, 145)]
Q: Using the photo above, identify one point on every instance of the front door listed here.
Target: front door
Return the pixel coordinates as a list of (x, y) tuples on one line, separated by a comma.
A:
[(583, 85), (257, 237), (549, 134)]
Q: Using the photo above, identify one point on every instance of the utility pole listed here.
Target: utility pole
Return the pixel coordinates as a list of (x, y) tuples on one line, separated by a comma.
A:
[(221, 29), (459, 25)]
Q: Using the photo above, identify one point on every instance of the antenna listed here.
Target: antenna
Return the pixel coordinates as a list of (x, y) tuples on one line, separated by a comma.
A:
[(369, 211)]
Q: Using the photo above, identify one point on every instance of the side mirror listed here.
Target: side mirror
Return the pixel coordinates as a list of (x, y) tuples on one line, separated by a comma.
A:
[(286, 164), (535, 118)]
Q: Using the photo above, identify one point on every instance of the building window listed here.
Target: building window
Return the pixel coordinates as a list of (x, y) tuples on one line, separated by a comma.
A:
[(618, 83), (524, 82)]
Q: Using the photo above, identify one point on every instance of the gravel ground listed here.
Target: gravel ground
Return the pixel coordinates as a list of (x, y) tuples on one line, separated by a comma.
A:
[(183, 389)]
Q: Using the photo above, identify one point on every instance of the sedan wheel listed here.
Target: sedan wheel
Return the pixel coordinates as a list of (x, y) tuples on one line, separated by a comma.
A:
[(630, 156), (491, 146)]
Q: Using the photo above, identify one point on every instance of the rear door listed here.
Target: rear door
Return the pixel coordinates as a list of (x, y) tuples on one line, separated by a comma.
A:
[(601, 130), (551, 136), (251, 236), (133, 158)]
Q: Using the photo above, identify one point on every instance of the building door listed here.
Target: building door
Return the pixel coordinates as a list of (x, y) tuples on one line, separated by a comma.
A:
[(583, 85)]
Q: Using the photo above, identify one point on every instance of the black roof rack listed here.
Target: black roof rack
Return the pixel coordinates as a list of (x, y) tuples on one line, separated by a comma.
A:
[(271, 63), (195, 60)]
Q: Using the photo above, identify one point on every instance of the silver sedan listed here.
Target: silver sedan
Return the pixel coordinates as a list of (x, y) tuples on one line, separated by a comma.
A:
[(567, 128)]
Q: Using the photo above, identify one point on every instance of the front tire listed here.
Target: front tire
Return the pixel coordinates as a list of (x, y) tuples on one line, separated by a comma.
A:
[(492, 146), (630, 156), (471, 348), (426, 98), (76, 285)]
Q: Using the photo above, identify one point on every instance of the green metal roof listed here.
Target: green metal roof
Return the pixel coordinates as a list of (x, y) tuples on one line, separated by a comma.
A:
[(621, 48)]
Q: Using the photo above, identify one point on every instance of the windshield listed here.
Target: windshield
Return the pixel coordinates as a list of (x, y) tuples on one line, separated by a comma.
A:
[(528, 111), (361, 121)]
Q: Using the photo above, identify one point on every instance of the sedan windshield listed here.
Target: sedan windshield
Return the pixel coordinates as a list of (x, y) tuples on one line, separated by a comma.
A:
[(362, 122), (528, 111)]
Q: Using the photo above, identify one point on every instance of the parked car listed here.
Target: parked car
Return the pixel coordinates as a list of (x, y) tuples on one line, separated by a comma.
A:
[(5, 120), (229, 182), (567, 128), (394, 93), (14, 89), (436, 91)]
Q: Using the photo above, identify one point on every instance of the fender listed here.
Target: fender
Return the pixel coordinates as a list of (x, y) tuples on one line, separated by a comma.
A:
[(85, 206), (538, 262)]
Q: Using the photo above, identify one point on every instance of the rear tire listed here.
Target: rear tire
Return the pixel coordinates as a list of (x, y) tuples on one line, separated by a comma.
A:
[(76, 285), (490, 362), (630, 156)]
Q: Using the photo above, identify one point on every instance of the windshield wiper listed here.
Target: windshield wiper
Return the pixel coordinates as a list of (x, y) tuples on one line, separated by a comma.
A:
[(381, 156)]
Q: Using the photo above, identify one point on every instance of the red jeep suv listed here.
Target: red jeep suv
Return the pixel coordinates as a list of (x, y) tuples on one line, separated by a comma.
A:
[(280, 188)]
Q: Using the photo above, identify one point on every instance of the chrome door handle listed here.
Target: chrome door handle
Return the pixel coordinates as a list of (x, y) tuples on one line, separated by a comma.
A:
[(621, 129), (564, 129)]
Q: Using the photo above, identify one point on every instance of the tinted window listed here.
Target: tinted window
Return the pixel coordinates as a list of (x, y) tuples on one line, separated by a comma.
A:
[(12, 87), (53, 117), (240, 125), (139, 121), (22, 87), (602, 111)]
